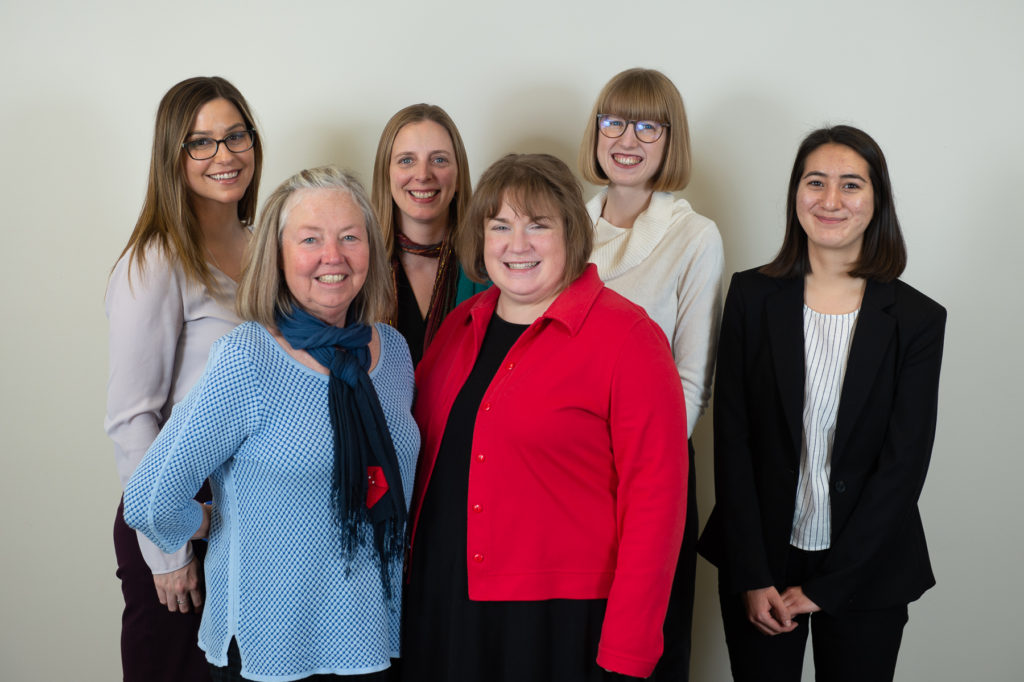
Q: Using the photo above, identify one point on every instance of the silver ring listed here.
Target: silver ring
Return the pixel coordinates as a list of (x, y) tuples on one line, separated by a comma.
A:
[(180, 602)]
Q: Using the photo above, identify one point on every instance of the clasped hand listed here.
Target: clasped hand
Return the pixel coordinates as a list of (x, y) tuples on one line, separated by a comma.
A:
[(773, 613)]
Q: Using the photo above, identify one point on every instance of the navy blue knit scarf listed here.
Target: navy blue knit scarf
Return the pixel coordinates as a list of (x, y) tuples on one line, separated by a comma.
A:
[(367, 486)]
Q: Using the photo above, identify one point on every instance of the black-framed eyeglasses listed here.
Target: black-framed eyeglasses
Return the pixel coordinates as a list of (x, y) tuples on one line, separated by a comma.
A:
[(203, 148), (646, 131)]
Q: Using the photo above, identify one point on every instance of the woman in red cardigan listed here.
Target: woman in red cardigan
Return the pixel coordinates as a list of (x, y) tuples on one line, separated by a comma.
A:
[(550, 498)]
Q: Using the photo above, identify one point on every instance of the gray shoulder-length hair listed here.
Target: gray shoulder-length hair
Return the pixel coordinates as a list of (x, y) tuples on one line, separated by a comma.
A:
[(262, 293)]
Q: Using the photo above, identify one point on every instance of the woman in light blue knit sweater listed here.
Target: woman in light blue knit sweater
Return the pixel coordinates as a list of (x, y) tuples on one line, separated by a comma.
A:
[(302, 424)]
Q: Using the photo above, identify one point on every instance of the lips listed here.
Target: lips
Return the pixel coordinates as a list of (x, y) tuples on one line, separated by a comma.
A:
[(424, 194), (523, 266), (226, 175), (627, 160)]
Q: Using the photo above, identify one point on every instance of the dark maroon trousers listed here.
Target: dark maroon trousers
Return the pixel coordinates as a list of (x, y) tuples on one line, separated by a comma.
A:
[(156, 645)]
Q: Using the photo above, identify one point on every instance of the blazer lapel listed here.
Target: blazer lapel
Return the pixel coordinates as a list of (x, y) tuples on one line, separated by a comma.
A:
[(871, 337), (784, 311)]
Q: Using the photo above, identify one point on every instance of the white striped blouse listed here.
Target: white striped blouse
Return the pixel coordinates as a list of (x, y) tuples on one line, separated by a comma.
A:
[(826, 349)]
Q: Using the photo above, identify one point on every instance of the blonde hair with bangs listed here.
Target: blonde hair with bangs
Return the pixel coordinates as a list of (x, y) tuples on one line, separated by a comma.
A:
[(642, 94), (263, 293)]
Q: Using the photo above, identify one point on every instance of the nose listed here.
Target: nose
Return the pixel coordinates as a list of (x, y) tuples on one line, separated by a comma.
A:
[(629, 138), (832, 199), (424, 172), (520, 240), (223, 154), (331, 252)]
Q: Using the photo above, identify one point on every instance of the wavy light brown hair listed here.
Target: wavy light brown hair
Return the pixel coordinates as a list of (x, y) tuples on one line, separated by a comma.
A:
[(883, 253), (638, 95), (380, 191), (168, 219), (532, 184), (263, 293)]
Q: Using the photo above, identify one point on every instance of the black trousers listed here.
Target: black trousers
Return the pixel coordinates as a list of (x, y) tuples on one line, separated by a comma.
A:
[(674, 665), (856, 646)]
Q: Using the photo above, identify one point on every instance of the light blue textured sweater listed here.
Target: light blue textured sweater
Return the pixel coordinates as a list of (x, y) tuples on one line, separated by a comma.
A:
[(257, 425)]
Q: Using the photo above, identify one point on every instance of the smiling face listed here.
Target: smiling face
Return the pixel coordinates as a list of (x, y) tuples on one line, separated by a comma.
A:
[(835, 201), (627, 161), (325, 254), (525, 258), (223, 178), (423, 173)]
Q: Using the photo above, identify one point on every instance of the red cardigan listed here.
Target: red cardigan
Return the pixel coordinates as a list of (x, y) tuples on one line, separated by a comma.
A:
[(577, 483)]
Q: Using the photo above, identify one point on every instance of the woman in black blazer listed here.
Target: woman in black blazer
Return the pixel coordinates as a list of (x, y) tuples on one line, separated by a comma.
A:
[(824, 416)]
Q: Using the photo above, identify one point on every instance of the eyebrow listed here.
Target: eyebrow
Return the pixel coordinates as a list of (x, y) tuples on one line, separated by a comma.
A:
[(317, 227), (532, 218), (844, 176), (209, 133), (435, 151)]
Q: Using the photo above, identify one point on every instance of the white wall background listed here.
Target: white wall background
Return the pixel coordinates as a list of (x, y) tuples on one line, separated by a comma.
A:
[(937, 82)]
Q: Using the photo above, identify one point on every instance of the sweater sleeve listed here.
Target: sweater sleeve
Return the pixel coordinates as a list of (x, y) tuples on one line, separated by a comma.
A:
[(698, 317), (146, 317), (204, 431), (647, 414)]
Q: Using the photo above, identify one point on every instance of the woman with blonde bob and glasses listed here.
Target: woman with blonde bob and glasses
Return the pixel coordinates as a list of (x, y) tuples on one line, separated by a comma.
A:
[(170, 296), (658, 252), (302, 423), (421, 188), (549, 502)]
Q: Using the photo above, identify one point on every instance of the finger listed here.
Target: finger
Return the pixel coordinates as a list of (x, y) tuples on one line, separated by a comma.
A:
[(771, 627), (767, 624), (168, 599), (781, 613), (182, 602), (197, 597)]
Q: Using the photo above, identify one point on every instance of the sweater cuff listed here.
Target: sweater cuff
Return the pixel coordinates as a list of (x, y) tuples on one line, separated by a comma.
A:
[(162, 562), (624, 664)]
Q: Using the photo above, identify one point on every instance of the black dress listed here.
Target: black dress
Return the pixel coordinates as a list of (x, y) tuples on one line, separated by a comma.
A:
[(409, 322), (446, 636)]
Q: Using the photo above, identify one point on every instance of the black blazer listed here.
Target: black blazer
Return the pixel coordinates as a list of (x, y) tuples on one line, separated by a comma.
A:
[(883, 441)]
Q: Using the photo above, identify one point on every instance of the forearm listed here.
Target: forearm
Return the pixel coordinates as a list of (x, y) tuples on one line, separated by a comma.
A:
[(651, 464)]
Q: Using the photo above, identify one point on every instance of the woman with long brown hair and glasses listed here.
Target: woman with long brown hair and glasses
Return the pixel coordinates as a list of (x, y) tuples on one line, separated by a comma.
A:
[(171, 294)]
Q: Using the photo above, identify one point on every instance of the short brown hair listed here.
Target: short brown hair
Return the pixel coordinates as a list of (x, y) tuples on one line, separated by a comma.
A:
[(883, 253), (262, 293), (530, 183), (167, 217), (380, 189), (642, 94)]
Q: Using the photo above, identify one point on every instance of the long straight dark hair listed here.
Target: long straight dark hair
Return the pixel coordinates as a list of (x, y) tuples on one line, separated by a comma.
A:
[(883, 253)]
